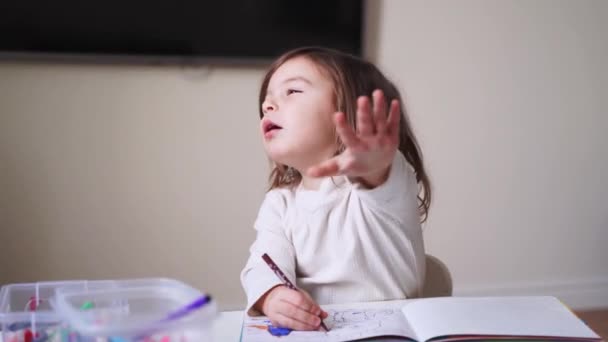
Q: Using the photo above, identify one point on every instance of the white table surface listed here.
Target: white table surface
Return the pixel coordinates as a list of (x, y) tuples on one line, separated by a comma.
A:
[(227, 326)]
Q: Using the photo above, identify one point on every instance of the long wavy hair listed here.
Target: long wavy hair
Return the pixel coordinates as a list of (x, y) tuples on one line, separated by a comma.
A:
[(352, 77)]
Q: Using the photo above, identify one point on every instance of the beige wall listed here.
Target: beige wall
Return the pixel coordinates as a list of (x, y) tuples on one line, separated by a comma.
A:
[(510, 99), (132, 171), (129, 172)]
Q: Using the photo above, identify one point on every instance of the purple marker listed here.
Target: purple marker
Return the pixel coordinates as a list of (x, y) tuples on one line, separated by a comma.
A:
[(197, 304), (179, 313)]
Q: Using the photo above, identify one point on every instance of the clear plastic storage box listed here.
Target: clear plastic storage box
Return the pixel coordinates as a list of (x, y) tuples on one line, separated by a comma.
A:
[(148, 310)]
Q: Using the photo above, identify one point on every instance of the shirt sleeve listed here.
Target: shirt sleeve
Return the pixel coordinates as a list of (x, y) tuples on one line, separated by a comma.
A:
[(397, 199), (257, 277), (398, 195)]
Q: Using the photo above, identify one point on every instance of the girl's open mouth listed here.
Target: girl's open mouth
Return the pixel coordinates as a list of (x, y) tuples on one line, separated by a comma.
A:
[(269, 128)]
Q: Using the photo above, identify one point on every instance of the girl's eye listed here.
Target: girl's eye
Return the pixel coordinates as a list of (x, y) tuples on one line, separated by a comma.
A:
[(292, 91)]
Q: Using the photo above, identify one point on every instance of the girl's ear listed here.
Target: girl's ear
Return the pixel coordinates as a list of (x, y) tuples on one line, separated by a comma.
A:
[(339, 145), (340, 148)]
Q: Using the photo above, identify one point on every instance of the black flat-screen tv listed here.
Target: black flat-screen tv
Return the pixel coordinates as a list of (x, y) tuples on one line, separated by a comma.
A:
[(188, 31)]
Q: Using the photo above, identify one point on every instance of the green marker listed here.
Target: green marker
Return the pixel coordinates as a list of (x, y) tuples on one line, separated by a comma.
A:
[(87, 305)]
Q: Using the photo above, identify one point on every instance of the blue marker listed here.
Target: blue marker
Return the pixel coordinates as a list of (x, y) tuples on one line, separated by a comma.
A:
[(278, 331), (28, 324)]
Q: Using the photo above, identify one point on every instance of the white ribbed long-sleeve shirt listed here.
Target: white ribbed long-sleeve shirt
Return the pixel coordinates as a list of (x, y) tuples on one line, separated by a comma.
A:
[(341, 243)]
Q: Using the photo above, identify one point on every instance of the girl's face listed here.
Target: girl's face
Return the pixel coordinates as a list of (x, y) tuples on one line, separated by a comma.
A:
[(297, 127)]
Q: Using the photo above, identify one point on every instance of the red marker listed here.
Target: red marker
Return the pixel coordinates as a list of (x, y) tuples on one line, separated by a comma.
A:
[(28, 336)]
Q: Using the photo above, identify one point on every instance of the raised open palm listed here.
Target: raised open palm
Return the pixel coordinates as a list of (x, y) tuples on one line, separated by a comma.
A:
[(369, 150)]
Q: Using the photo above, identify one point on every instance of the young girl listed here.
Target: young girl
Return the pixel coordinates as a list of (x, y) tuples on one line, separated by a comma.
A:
[(347, 195)]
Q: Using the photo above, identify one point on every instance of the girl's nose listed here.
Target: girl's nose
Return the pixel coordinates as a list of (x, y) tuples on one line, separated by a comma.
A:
[(268, 106)]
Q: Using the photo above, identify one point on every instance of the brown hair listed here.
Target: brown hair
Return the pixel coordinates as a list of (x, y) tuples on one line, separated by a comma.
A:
[(352, 77)]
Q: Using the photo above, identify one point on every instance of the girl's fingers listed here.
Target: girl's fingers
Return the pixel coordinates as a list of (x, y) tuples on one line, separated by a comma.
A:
[(303, 301), (394, 116), (380, 111), (365, 123), (345, 132), (284, 321), (300, 314), (315, 308), (327, 168)]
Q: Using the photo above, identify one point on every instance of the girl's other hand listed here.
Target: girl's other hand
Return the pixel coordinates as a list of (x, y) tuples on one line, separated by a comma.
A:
[(291, 309)]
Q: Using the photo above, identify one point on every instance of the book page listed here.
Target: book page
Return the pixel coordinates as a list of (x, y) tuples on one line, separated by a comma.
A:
[(345, 322), (540, 316)]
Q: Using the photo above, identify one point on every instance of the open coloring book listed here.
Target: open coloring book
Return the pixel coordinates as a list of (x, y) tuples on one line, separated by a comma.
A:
[(440, 319)]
